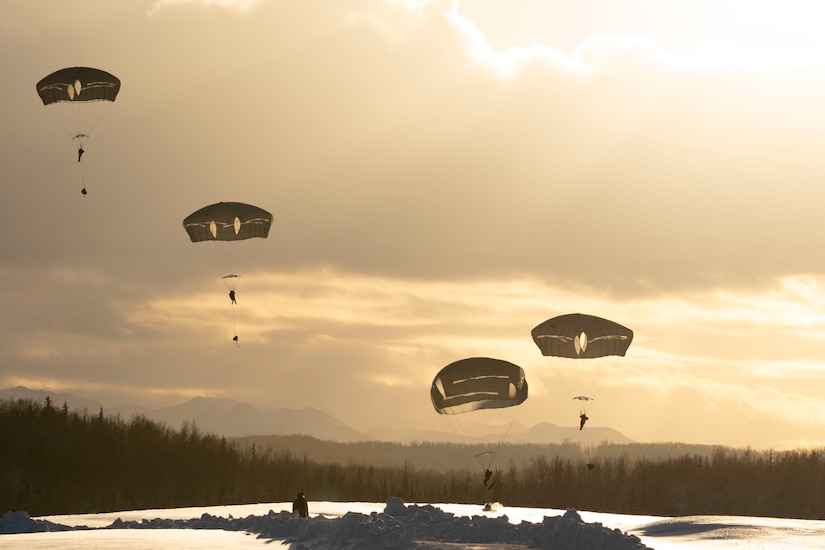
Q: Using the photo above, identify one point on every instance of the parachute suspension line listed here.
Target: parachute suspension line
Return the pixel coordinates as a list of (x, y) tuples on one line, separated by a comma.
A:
[(584, 386), (82, 179), (509, 427), (486, 464), (500, 442), (488, 457), (237, 259), (468, 435), (80, 140), (230, 284), (235, 328), (596, 393)]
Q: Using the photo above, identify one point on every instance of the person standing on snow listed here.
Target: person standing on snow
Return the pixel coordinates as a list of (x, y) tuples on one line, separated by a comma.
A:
[(300, 506)]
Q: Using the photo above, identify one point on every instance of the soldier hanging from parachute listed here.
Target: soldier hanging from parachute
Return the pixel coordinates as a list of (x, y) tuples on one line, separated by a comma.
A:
[(581, 336), (489, 389), (79, 96), (229, 227)]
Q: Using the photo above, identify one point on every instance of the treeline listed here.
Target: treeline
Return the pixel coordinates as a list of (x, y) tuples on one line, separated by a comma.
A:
[(453, 456), (55, 461)]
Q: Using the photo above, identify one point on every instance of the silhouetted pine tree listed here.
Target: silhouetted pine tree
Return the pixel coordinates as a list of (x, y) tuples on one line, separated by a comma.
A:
[(55, 461)]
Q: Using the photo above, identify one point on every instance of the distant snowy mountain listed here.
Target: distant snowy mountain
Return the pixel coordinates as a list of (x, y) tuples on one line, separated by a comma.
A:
[(223, 417), (233, 418), (74, 403), (229, 418), (547, 432)]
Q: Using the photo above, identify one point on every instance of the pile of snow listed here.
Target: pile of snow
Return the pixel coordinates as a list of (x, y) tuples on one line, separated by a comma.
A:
[(20, 522), (399, 526)]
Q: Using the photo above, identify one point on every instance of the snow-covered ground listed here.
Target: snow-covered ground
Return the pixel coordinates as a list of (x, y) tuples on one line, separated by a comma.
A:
[(394, 524)]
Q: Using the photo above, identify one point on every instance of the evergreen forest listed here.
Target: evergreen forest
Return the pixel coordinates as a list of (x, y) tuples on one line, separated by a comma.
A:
[(57, 461)]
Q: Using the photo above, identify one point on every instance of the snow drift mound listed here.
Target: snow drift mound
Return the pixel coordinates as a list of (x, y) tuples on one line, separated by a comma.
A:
[(20, 522), (399, 526)]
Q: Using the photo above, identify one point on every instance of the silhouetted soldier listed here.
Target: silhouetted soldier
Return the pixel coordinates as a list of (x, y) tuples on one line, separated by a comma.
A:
[(300, 506)]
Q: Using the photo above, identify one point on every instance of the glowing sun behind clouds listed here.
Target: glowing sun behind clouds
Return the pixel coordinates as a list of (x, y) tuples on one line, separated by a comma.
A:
[(753, 34)]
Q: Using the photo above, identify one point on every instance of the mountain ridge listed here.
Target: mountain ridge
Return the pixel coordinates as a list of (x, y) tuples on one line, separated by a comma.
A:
[(232, 418)]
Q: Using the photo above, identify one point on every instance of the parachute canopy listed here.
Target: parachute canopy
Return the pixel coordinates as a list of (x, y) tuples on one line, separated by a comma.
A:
[(478, 383), (227, 221), (76, 84), (581, 336)]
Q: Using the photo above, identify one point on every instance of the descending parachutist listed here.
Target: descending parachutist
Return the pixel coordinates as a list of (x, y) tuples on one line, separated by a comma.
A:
[(228, 225), (235, 339), (80, 152), (83, 191), (582, 419)]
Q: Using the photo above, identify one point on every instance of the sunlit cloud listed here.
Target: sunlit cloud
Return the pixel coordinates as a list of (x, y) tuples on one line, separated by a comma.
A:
[(508, 63), (603, 52), (242, 6), (795, 302), (498, 315), (394, 19), (763, 400)]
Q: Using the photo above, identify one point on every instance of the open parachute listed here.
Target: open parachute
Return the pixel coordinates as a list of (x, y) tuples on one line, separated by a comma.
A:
[(478, 383), (227, 221), (78, 85), (581, 336), (479, 398), (232, 229), (79, 96)]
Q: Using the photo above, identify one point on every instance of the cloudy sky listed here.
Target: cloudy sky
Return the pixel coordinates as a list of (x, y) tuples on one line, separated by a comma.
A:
[(443, 176)]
